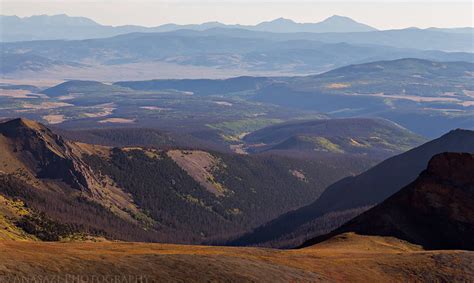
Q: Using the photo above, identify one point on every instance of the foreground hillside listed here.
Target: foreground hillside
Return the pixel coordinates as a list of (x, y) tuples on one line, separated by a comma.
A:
[(346, 258), (434, 212)]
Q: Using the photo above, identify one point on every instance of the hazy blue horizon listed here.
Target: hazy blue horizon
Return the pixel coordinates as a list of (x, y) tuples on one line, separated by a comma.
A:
[(381, 15)]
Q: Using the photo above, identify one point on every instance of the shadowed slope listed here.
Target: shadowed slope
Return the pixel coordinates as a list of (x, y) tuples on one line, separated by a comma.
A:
[(435, 211), (356, 194)]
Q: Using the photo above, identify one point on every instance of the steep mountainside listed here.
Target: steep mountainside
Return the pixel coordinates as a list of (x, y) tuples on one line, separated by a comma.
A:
[(435, 211), (192, 54), (58, 192), (57, 189), (32, 148), (353, 136), (351, 196)]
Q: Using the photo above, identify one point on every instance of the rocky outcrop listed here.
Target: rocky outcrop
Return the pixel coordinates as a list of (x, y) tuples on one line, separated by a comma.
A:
[(435, 211), (46, 154)]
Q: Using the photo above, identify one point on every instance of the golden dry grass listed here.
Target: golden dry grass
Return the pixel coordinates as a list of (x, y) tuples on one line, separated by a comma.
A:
[(46, 105), (10, 212), (338, 85), (54, 118), (348, 257), (14, 93), (82, 149), (117, 120)]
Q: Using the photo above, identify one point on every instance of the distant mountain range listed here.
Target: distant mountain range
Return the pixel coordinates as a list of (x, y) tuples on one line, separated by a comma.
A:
[(331, 24), (44, 27), (207, 50), (222, 52), (64, 27)]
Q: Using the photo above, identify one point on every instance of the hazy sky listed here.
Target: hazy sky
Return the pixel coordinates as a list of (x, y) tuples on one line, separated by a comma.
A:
[(383, 14)]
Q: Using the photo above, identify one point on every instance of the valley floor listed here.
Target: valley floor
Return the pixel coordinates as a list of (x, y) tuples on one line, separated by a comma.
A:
[(347, 257)]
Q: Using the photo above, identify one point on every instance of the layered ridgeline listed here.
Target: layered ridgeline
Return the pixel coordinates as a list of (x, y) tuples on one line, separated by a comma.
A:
[(196, 54), (435, 211), (191, 112), (55, 189), (426, 97), (409, 79), (44, 27), (366, 139), (353, 195)]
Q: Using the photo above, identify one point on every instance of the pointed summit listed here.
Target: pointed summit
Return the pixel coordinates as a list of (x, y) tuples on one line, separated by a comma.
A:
[(334, 18), (282, 20), (278, 25), (13, 127), (338, 23), (32, 147)]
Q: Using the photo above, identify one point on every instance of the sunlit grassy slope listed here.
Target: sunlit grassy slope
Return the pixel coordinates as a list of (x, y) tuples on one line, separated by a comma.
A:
[(346, 257)]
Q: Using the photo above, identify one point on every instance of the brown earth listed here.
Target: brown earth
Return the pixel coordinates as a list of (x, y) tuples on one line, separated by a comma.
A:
[(348, 257)]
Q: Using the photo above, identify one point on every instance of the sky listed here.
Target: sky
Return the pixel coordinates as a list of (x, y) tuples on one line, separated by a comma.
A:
[(382, 14)]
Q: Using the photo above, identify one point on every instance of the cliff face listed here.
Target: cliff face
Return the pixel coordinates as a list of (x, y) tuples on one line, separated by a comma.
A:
[(49, 175), (36, 155), (45, 154), (435, 211), (456, 169)]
